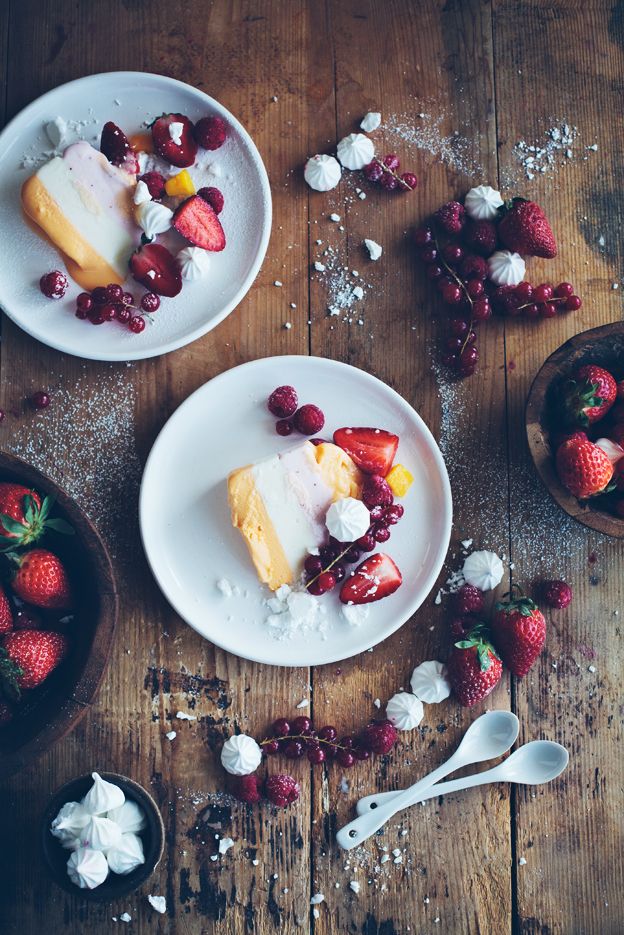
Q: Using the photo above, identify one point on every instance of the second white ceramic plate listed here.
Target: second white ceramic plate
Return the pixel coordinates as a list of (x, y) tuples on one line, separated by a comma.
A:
[(129, 99), (185, 520)]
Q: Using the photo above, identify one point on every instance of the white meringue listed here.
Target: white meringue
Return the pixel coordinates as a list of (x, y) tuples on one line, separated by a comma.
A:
[(87, 868), (405, 711), (69, 823), (430, 683), (176, 130), (356, 614), (322, 173), (102, 796), (141, 193), (127, 855), (159, 903), (374, 249), (154, 218), (347, 519), (506, 268), (129, 816), (482, 203), (355, 151), (612, 450), (193, 262), (241, 755), (100, 833), (483, 569), (56, 131), (371, 121)]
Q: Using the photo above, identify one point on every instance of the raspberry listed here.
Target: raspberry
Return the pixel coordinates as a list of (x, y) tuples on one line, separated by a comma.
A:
[(214, 198), (480, 236), (283, 402), (309, 419), (284, 427), (450, 217), (473, 267), (376, 491), (468, 600), (210, 132), (54, 284), (281, 790), (556, 594), (380, 736), (155, 183), (246, 789)]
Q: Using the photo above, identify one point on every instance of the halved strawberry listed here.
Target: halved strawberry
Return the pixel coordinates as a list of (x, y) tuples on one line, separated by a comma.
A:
[(373, 450), (115, 146), (153, 266), (376, 577), (177, 148), (197, 221)]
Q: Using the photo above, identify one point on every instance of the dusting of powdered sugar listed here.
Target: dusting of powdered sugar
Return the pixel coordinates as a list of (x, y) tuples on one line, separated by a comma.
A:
[(85, 441), (428, 133), (552, 150)]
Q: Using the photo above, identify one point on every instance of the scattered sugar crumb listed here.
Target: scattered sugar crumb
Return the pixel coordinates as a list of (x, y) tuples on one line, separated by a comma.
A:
[(225, 844), (303, 703), (159, 903), (171, 734), (522, 861), (183, 716)]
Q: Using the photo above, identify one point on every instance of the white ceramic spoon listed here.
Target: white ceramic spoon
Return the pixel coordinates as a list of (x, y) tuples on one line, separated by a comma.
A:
[(533, 763), (489, 736)]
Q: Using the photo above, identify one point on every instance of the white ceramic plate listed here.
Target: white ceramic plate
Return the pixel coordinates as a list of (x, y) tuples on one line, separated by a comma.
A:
[(185, 520), (129, 98)]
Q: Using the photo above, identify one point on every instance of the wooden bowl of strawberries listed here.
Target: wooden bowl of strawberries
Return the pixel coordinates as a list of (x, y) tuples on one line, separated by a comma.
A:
[(575, 427), (58, 610)]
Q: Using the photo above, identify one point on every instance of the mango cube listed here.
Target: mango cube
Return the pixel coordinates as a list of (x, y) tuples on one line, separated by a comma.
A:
[(180, 185), (399, 479)]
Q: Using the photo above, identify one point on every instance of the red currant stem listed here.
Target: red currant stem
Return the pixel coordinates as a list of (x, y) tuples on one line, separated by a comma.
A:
[(553, 300), (462, 286), (333, 562), (392, 173), (305, 737)]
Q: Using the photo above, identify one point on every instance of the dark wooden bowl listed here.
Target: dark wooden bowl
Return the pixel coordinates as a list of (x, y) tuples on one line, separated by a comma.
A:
[(603, 346), (115, 886), (52, 710)]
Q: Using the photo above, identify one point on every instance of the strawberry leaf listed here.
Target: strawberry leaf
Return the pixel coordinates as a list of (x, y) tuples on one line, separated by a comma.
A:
[(10, 673), (60, 525)]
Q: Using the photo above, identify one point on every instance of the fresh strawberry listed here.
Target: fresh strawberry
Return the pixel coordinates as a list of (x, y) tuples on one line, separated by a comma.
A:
[(524, 229), (154, 267), (474, 668), (519, 631), (560, 437), (6, 614), (380, 736), (116, 147), (182, 153), (588, 395), (6, 713), (376, 577), (27, 657), (198, 223), (24, 518), (583, 468), (373, 450), (41, 580)]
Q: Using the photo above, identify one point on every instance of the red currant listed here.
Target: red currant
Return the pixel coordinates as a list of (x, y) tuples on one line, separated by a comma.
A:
[(150, 302), (284, 427), (324, 583), (345, 758), (301, 725), (108, 311), (114, 292), (127, 298), (381, 533), (316, 755), (84, 302), (434, 271), (391, 161), (373, 171), (313, 565), (136, 324), (452, 294), (54, 285), (573, 303), (271, 747), (423, 236), (40, 400), (429, 254), (542, 293), (548, 310), (458, 327), (531, 310), (475, 288), (524, 291), (482, 310), (280, 727), (293, 749), (339, 571), (393, 514), (366, 543), (99, 295), (452, 253), (123, 314), (563, 290), (327, 733), (389, 182), (409, 180)]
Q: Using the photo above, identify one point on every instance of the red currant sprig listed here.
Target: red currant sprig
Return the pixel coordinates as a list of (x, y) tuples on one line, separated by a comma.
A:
[(111, 303), (299, 738), (386, 173)]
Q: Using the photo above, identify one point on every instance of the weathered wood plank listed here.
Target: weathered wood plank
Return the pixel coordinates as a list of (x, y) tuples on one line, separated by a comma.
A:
[(570, 832)]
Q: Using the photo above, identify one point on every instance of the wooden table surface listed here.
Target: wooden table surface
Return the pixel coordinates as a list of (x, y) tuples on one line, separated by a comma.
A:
[(459, 83)]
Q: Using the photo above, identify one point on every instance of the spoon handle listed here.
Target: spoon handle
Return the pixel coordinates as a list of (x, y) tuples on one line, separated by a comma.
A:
[(441, 788), (361, 828)]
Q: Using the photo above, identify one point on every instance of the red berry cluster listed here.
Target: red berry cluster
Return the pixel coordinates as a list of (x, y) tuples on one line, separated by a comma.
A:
[(325, 570), (307, 419), (454, 250), (111, 303), (385, 172)]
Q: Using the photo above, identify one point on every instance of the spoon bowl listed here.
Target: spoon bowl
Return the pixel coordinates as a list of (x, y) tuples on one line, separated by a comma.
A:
[(534, 763), (489, 736)]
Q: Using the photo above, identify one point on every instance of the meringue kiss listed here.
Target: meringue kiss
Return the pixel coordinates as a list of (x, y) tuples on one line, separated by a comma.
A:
[(322, 173), (240, 755), (103, 796)]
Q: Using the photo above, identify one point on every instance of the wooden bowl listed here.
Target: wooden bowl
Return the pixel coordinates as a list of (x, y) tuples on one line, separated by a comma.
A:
[(54, 708), (603, 346), (115, 886)]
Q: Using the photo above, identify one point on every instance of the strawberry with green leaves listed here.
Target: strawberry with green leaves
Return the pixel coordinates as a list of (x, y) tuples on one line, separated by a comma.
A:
[(27, 657), (519, 630), (24, 517), (583, 468), (474, 666), (588, 395)]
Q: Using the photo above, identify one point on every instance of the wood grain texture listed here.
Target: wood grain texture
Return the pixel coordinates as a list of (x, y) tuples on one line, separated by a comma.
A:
[(493, 72)]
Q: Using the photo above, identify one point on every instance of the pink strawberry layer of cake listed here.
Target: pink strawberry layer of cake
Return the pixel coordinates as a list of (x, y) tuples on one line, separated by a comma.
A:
[(84, 205)]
